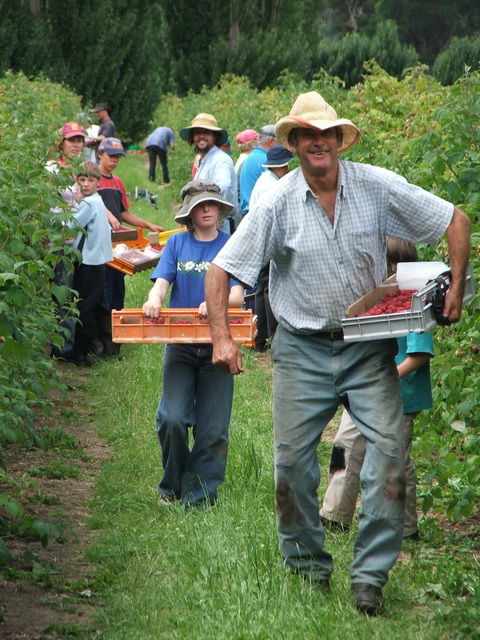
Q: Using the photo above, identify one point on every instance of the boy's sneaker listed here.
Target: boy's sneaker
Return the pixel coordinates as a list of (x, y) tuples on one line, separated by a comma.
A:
[(334, 526)]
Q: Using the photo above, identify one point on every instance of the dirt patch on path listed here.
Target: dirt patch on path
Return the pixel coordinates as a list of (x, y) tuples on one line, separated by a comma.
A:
[(49, 592)]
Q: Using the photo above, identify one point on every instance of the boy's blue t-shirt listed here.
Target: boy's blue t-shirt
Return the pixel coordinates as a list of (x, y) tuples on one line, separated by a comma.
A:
[(184, 262), (415, 387)]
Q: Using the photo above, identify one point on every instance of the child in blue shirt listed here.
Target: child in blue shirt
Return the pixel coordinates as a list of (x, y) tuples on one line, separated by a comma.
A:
[(348, 452), (196, 393), (95, 244)]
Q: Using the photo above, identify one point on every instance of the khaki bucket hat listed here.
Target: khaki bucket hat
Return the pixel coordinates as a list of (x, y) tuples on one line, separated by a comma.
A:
[(198, 191), (205, 121), (311, 110)]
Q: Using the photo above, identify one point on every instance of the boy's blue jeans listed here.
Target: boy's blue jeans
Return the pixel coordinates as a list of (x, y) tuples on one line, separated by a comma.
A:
[(199, 395), (312, 376)]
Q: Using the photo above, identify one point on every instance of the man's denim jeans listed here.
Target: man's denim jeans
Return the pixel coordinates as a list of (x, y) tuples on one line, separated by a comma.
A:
[(199, 395), (312, 376)]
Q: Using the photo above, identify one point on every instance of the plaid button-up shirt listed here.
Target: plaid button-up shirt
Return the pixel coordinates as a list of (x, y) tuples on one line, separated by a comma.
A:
[(319, 269)]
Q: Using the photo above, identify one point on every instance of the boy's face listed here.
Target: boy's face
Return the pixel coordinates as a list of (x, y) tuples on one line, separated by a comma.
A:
[(88, 185), (205, 215), (107, 163)]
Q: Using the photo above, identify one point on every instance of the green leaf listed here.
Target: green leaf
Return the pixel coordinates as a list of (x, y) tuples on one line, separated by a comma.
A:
[(12, 507), (6, 558)]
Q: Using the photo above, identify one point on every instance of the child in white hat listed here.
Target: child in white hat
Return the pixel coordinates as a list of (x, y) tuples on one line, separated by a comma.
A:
[(195, 393)]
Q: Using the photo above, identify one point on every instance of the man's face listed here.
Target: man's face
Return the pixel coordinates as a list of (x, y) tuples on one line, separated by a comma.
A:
[(270, 142), (107, 163), (203, 140), (102, 115), (88, 184), (317, 151)]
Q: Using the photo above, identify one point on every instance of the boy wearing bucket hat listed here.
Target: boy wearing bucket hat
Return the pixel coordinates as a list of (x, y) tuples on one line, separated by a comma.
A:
[(214, 165), (195, 392), (323, 230)]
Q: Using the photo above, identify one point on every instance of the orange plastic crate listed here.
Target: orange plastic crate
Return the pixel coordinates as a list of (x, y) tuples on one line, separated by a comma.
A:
[(127, 267), (178, 326)]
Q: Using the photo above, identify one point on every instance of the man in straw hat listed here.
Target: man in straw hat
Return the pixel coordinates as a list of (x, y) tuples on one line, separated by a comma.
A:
[(323, 228), (215, 165), (195, 393)]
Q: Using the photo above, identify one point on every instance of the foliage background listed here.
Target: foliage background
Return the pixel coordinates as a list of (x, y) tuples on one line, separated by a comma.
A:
[(130, 53)]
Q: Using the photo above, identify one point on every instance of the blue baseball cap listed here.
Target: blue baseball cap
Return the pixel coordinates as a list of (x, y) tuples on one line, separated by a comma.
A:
[(111, 146)]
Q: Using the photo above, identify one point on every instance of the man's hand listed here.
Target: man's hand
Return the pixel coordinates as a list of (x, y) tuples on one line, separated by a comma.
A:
[(452, 309), (227, 356), (155, 227)]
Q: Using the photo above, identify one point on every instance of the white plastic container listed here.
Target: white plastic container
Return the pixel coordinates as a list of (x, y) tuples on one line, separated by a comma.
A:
[(415, 275)]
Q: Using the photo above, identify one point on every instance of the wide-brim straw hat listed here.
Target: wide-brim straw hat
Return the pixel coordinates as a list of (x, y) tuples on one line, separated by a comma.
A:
[(205, 121), (311, 110), (198, 191)]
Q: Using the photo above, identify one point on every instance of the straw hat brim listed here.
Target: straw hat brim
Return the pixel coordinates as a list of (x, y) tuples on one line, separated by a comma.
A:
[(186, 209), (185, 133), (351, 133)]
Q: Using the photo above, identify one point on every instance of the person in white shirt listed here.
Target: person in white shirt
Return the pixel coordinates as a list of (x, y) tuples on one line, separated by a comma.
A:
[(214, 165), (276, 166)]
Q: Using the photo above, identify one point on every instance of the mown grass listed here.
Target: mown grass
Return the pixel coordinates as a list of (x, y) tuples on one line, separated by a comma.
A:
[(216, 574)]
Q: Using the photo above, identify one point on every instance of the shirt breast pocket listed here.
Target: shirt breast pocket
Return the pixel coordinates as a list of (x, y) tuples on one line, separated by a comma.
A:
[(367, 250)]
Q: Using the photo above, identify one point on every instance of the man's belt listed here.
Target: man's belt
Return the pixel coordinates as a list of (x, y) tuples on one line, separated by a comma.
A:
[(332, 334)]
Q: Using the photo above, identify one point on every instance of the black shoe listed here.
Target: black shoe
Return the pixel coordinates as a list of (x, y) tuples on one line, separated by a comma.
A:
[(316, 580), (367, 598), (334, 525), (413, 536), (322, 584)]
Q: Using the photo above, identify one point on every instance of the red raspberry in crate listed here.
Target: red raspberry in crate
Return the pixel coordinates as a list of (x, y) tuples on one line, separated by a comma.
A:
[(393, 302), (159, 320)]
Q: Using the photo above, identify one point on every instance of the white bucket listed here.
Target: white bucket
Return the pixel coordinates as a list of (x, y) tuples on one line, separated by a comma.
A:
[(414, 275)]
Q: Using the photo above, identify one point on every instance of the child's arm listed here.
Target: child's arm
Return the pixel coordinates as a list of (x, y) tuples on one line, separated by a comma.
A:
[(112, 221), (153, 305), (136, 221), (81, 216), (412, 362), (235, 299)]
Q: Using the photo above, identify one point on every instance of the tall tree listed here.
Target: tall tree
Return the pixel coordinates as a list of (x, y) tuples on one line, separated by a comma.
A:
[(429, 26), (106, 50)]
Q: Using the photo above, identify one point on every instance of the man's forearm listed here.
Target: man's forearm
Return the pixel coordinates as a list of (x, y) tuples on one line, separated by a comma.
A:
[(458, 236), (216, 295)]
